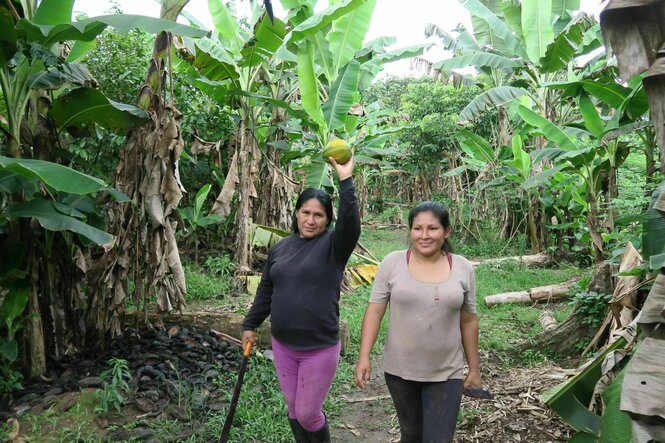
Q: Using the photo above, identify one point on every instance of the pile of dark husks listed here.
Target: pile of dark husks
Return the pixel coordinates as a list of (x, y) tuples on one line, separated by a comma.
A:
[(172, 370)]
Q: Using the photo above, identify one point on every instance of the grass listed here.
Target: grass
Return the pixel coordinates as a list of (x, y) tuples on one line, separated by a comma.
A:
[(205, 285)]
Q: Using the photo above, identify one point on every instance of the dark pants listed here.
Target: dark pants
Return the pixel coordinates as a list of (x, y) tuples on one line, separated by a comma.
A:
[(427, 411)]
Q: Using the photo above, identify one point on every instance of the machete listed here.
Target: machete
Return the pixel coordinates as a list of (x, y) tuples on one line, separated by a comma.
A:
[(236, 393)]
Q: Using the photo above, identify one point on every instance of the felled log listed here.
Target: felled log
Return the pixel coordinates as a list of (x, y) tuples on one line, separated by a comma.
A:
[(533, 295), (541, 259), (547, 321), (228, 323)]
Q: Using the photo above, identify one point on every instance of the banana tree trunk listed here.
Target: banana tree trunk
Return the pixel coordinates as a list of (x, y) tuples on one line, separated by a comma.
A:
[(362, 191), (145, 249), (247, 155), (593, 224), (533, 230), (276, 187), (276, 184)]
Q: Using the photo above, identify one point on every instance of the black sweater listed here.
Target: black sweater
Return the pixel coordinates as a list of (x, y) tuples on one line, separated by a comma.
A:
[(301, 281)]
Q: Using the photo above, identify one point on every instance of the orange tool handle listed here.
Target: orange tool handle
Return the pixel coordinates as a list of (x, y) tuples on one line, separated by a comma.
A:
[(248, 349)]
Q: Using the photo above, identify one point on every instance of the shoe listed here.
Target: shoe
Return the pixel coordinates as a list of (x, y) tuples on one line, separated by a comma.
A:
[(300, 434), (320, 436)]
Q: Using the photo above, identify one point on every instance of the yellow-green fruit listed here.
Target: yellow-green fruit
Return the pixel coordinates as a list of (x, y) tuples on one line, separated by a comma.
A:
[(339, 150)]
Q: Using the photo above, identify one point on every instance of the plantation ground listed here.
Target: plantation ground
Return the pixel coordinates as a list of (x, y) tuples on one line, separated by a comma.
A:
[(515, 414), (196, 405)]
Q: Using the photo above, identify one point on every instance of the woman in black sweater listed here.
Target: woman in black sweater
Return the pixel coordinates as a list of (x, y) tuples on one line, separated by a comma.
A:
[(300, 289)]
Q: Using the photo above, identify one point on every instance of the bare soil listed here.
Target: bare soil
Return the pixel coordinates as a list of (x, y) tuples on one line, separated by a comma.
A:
[(515, 414)]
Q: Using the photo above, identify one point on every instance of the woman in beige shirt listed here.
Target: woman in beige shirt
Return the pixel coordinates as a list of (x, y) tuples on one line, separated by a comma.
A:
[(432, 327)]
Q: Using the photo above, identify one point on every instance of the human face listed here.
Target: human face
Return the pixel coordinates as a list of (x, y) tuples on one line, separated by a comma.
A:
[(427, 234), (312, 219)]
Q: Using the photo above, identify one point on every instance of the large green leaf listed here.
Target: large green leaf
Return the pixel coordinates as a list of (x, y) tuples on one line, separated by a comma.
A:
[(87, 107), (58, 177), (571, 398), (542, 178), (297, 113), (348, 33), (70, 73), (653, 234), (318, 175), (479, 60), (80, 49), (268, 37), (615, 425), (7, 37), (502, 31), (493, 98), (402, 53), (322, 19), (537, 27), (9, 350), (551, 131), (90, 28), (475, 146), (611, 93), (561, 8), (214, 61), (485, 35), (53, 220), (226, 25), (521, 160), (462, 41), (294, 4), (592, 119), (564, 47), (512, 12), (15, 302), (53, 12), (200, 199), (309, 94), (342, 96)]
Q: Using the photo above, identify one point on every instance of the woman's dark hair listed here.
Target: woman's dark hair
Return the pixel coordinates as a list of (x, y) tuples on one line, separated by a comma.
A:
[(322, 196), (439, 212)]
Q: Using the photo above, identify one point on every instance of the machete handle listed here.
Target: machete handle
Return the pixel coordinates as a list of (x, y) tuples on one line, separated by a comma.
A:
[(248, 349)]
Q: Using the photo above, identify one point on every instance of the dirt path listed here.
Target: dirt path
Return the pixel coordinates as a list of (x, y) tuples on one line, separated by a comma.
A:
[(516, 414), (369, 415)]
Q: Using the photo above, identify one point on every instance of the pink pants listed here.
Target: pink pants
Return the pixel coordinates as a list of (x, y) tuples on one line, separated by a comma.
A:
[(305, 378)]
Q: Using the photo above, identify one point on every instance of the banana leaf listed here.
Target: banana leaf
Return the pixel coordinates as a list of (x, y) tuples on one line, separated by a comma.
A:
[(324, 18), (495, 97), (571, 398), (477, 59), (551, 131), (87, 107), (348, 33), (653, 234), (54, 220), (341, 97), (615, 425), (537, 27)]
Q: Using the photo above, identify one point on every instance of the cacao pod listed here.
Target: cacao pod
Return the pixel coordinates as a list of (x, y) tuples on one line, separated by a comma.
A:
[(339, 150)]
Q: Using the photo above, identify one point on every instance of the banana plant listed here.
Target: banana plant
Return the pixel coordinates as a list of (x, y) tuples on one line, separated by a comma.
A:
[(48, 206), (237, 66), (520, 46), (30, 60), (194, 217), (593, 151), (334, 65)]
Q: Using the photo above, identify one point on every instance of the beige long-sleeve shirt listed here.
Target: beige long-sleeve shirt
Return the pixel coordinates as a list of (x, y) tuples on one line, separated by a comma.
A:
[(424, 340)]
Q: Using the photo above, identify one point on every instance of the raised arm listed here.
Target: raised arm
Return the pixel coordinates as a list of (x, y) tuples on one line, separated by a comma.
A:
[(347, 227)]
